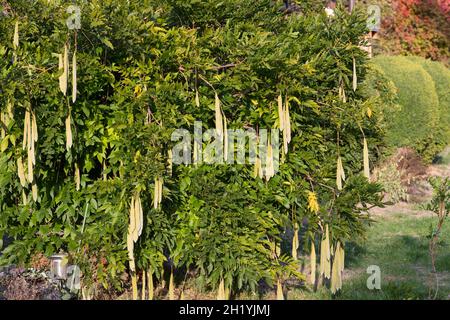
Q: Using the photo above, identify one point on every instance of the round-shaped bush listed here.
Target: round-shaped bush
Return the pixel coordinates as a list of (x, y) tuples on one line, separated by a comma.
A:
[(441, 77), (416, 124)]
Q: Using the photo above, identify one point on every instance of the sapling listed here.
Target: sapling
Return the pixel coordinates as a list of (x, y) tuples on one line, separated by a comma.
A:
[(439, 204)]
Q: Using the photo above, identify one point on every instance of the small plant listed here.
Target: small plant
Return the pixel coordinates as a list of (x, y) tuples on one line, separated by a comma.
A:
[(440, 204)]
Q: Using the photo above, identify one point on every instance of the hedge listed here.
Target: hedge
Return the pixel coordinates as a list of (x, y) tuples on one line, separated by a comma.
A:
[(441, 77), (416, 124)]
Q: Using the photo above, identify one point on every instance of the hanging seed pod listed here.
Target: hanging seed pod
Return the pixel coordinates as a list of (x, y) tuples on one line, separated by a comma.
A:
[(150, 284), (295, 242), (221, 290), (26, 126), (197, 99), (143, 295), (30, 169), (334, 277), (68, 133), (277, 249), (280, 295), (34, 128), (170, 162), (340, 174), (24, 198), (171, 287), (313, 204), (355, 79), (74, 77), (313, 263), (10, 111), (366, 160), (16, 36), (66, 68), (77, 177), (21, 172), (269, 169), (134, 286), (219, 120), (156, 194), (281, 115), (225, 138), (139, 217), (34, 191), (327, 268), (160, 189), (132, 224), (287, 124), (61, 70)]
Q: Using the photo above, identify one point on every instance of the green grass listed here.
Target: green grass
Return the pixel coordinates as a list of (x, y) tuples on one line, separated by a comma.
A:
[(398, 244)]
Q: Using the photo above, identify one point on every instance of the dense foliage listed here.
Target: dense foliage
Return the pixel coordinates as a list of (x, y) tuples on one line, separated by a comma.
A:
[(417, 124), (441, 78), (140, 63)]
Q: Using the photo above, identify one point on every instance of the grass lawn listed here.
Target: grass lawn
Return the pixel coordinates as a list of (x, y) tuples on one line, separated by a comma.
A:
[(398, 244)]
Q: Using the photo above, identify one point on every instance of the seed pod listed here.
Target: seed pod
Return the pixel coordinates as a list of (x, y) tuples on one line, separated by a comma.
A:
[(227, 293), (9, 109), (150, 284), (287, 124), (325, 267), (280, 295), (313, 263), (61, 69), (16, 36), (143, 286), (327, 253), (30, 169), (138, 216), (221, 290), (225, 138), (24, 198), (295, 242), (197, 99), (34, 191), (340, 174), (34, 127), (170, 162), (171, 287), (355, 79), (77, 177), (21, 172), (66, 68), (26, 126), (68, 133), (219, 120), (281, 115), (366, 160), (160, 189), (74, 77), (134, 286), (132, 224)]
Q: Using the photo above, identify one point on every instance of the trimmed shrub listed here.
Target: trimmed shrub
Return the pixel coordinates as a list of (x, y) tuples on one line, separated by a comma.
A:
[(417, 123), (441, 76)]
